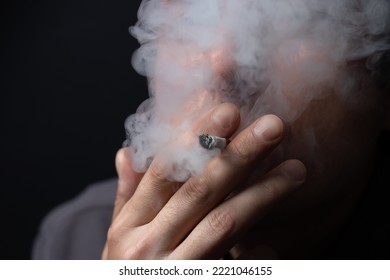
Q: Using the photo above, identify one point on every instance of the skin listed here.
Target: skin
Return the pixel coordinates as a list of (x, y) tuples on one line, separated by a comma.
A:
[(292, 211)]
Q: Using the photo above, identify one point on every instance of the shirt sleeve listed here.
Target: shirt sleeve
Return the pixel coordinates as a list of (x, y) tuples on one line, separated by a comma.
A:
[(77, 229)]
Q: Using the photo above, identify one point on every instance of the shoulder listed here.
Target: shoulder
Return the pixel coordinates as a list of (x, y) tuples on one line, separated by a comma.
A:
[(77, 229)]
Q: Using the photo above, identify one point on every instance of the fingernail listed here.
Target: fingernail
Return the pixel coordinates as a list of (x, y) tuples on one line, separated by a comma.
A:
[(268, 128), (295, 171), (223, 117)]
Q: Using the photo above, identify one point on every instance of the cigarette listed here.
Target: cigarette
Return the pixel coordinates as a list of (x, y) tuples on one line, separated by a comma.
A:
[(210, 142)]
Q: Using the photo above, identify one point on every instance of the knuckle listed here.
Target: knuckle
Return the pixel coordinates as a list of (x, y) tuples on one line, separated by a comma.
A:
[(140, 247), (123, 190), (139, 250), (119, 157), (197, 189), (113, 236), (157, 171), (220, 222), (272, 190), (241, 151)]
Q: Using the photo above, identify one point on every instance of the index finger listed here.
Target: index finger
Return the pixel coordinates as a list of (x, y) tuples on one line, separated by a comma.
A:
[(155, 189)]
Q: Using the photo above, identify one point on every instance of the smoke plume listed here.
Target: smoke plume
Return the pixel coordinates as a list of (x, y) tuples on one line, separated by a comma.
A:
[(256, 54)]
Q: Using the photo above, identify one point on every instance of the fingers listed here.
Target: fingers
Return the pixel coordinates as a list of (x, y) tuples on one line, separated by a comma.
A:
[(196, 221), (200, 194), (155, 189), (226, 223), (128, 180), (222, 121), (127, 184)]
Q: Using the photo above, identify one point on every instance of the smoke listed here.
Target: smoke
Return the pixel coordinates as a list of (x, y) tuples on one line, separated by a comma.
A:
[(268, 56)]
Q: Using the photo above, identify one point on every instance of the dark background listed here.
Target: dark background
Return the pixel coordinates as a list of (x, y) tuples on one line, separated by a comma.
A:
[(66, 87)]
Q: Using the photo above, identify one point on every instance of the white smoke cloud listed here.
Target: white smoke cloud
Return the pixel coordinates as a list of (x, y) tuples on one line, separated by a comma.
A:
[(198, 53)]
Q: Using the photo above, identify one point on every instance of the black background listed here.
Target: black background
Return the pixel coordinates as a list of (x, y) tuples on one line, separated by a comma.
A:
[(66, 87)]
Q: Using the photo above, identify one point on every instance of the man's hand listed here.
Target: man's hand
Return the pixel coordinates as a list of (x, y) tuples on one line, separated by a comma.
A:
[(155, 218)]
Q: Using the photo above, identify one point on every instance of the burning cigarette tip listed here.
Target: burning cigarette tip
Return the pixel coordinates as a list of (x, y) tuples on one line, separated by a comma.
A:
[(210, 142)]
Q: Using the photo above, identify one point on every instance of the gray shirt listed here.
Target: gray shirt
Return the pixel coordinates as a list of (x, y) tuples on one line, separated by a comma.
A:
[(77, 229)]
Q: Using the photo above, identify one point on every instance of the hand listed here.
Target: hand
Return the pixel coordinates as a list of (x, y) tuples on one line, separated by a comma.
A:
[(155, 218)]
